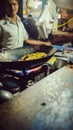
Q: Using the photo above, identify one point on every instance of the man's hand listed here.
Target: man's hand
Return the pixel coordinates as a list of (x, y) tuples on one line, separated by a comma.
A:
[(48, 43)]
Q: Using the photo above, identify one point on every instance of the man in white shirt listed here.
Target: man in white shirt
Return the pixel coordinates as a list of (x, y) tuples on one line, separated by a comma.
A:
[(12, 31)]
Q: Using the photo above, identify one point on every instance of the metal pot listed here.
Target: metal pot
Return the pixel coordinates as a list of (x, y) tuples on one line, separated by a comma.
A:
[(59, 63)]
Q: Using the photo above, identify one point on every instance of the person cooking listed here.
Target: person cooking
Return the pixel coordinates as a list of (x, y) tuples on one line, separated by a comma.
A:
[(12, 31)]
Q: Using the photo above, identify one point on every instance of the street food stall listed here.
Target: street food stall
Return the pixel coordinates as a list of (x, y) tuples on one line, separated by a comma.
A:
[(36, 84)]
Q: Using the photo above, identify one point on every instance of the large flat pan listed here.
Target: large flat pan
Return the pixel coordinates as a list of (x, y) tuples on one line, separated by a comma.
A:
[(11, 58)]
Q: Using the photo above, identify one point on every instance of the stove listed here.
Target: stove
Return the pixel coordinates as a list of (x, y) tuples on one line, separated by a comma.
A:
[(18, 80)]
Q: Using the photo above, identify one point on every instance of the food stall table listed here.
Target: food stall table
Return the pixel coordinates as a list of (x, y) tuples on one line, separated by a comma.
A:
[(47, 105)]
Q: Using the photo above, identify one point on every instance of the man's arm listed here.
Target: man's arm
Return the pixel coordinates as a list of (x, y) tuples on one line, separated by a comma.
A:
[(36, 42)]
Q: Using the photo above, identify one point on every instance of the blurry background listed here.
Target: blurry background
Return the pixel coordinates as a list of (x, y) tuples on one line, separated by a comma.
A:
[(68, 4), (64, 9)]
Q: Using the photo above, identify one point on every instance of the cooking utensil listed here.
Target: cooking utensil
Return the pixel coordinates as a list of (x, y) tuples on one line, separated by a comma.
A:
[(5, 96), (70, 57), (13, 56), (60, 63)]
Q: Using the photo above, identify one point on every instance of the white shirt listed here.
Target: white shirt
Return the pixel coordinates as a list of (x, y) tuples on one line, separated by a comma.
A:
[(12, 35)]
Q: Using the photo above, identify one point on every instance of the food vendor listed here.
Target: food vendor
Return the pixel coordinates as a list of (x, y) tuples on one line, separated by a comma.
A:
[(12, 31)]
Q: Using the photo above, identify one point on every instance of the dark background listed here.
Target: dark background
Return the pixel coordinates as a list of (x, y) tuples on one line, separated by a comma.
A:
[(2, 11)]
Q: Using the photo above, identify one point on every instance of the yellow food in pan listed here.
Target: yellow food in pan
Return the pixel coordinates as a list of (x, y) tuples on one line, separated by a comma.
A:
[(33, 56)]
